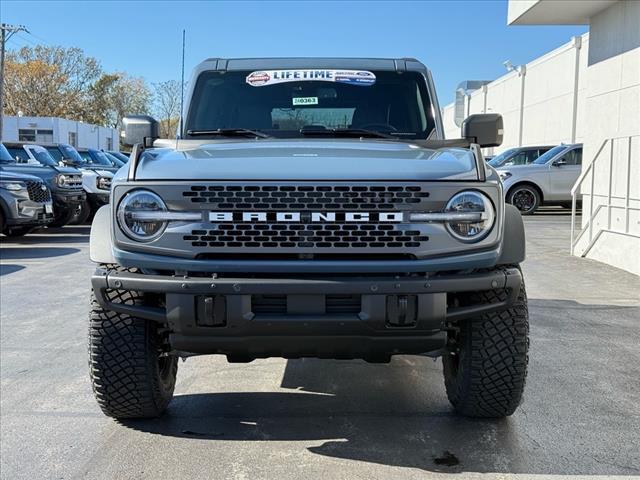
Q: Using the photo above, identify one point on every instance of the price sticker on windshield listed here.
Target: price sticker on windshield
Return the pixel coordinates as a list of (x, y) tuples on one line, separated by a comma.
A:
[(305, 101), (262, 78)]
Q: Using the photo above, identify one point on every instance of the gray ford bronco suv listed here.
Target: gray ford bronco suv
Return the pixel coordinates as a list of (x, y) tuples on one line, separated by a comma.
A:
[(309, 208)]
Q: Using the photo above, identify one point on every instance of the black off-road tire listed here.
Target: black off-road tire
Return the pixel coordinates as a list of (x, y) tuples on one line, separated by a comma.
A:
[(16, 232), (62, 219), (130, 375), (83, 214), (486, 373)]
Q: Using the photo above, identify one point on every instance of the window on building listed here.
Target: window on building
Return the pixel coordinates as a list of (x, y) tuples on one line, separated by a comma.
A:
[(109, 143), (36, 136), (73, 139), (26, 135), (44, 136)]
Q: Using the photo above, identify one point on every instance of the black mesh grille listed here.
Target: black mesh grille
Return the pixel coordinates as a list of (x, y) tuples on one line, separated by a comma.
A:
[(38, 192), (306, 236), (308, 197)]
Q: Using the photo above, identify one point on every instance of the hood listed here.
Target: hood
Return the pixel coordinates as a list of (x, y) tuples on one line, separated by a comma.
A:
[(18, 177), (304, 159)]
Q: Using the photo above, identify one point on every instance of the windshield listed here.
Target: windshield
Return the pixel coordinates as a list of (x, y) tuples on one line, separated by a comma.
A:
[(282, 102), (5, 156), (116, 162), (549, 154), (502, 158), (44, 157), (123, 158), (95, 157), (70, 153)]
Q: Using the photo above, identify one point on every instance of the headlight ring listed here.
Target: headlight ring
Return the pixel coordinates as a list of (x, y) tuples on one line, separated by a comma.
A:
[(471, 201), (137, 227)]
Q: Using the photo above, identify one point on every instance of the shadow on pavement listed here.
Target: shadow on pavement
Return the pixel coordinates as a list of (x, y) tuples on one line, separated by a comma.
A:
[(73, 234), (6, 269), (22, 253)]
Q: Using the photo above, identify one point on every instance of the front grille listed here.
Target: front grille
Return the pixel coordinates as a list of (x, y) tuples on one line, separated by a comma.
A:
[(37, 193), (277, 304), (74, 182), (306, 197), (307, 236)]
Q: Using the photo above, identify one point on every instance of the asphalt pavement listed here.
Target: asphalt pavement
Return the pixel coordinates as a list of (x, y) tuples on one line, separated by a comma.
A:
[(279, 419)]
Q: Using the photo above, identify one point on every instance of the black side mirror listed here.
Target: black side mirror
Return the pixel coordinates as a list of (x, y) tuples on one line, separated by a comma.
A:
[(559, 163), (485, 129), (139, 129)]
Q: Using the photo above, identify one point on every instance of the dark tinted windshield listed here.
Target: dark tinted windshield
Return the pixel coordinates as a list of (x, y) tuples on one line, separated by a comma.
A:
[(5, 156), (116, 162), (123, 158), (281, 102), (95, 157)]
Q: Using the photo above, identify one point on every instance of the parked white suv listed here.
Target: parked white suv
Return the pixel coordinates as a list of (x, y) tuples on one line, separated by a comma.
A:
[(546, 181)]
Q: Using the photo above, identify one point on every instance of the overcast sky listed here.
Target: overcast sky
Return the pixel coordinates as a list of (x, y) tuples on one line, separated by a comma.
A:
[(458, 40)]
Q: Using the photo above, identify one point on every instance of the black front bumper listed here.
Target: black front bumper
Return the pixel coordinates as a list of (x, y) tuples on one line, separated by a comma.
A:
[(307, 317), (66, 200)]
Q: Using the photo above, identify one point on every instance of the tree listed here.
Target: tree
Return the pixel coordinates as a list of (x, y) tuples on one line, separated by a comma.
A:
[(129, 96), (167, 100), (49, 81), (64, 82)]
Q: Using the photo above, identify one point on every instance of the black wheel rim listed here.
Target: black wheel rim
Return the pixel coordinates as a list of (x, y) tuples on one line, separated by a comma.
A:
[(524, 199)]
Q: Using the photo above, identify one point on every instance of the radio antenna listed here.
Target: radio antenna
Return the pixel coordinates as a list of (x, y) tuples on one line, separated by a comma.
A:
[(182, 88)]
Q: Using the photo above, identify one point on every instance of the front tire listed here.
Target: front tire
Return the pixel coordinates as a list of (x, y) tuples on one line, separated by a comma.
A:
[(486, 370), (525, 198), (18, 231), (132, 373), (83, 214)]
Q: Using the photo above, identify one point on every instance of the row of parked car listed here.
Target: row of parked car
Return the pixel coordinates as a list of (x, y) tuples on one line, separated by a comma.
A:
[(52, 185), (539, 175)]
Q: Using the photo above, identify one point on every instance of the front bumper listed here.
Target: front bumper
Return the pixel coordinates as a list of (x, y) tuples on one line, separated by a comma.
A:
[(65, 200), (385, 315)]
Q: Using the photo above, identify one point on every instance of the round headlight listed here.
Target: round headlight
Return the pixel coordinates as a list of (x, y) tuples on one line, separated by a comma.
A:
[(104, 183), (62, 180), (471, 202), (143, 227)]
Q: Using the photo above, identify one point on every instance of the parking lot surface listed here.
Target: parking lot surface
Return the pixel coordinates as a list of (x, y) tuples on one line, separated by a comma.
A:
[(318, 418)]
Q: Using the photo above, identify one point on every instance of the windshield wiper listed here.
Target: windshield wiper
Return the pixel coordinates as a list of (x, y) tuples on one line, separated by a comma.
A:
[(344, 132), (228, 132)]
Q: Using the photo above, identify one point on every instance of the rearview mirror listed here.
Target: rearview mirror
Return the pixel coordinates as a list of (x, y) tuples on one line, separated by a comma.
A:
[(485, 129), (559, 163), (137, 128)]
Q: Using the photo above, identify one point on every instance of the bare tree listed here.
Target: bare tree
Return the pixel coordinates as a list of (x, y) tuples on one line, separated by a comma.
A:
[(129, 96), (167, 106)]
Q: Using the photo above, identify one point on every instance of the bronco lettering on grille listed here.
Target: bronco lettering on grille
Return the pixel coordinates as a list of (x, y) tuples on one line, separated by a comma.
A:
[(307, 217)]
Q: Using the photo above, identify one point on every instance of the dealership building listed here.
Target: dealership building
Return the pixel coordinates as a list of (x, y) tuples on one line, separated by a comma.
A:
[(59, 130), (585, 91)]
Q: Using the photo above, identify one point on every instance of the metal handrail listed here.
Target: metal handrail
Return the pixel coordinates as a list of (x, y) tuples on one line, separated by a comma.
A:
[(608, 205)]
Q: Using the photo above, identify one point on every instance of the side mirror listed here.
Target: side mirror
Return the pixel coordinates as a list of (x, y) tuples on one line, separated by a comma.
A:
[(485, 129), (139, 129), (559, 163)]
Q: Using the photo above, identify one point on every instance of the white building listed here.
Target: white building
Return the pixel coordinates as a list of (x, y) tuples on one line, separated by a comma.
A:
[(59, 130), (587, 91)]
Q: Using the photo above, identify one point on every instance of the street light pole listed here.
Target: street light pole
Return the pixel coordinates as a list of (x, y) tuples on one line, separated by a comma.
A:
[(6, 32)]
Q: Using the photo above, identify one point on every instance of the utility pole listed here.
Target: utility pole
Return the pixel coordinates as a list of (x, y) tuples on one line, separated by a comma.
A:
[(6, 32)]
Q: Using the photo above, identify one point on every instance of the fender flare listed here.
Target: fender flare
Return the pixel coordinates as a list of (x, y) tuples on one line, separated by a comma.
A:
[(100, 237), (513, 240)]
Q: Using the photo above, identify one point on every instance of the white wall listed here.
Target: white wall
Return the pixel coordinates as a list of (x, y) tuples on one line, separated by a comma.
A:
[(540, 104), (88, 135), (612, 118)]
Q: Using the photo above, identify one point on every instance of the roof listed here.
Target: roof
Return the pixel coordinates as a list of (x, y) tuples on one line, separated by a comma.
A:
[(230, 64), (554, 12)]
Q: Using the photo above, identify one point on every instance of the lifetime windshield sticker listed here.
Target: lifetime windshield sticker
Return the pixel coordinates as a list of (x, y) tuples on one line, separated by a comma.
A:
[(272, 77), (305, 100)]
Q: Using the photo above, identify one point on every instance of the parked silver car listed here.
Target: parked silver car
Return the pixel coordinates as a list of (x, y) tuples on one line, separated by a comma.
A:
[(546, 181)]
